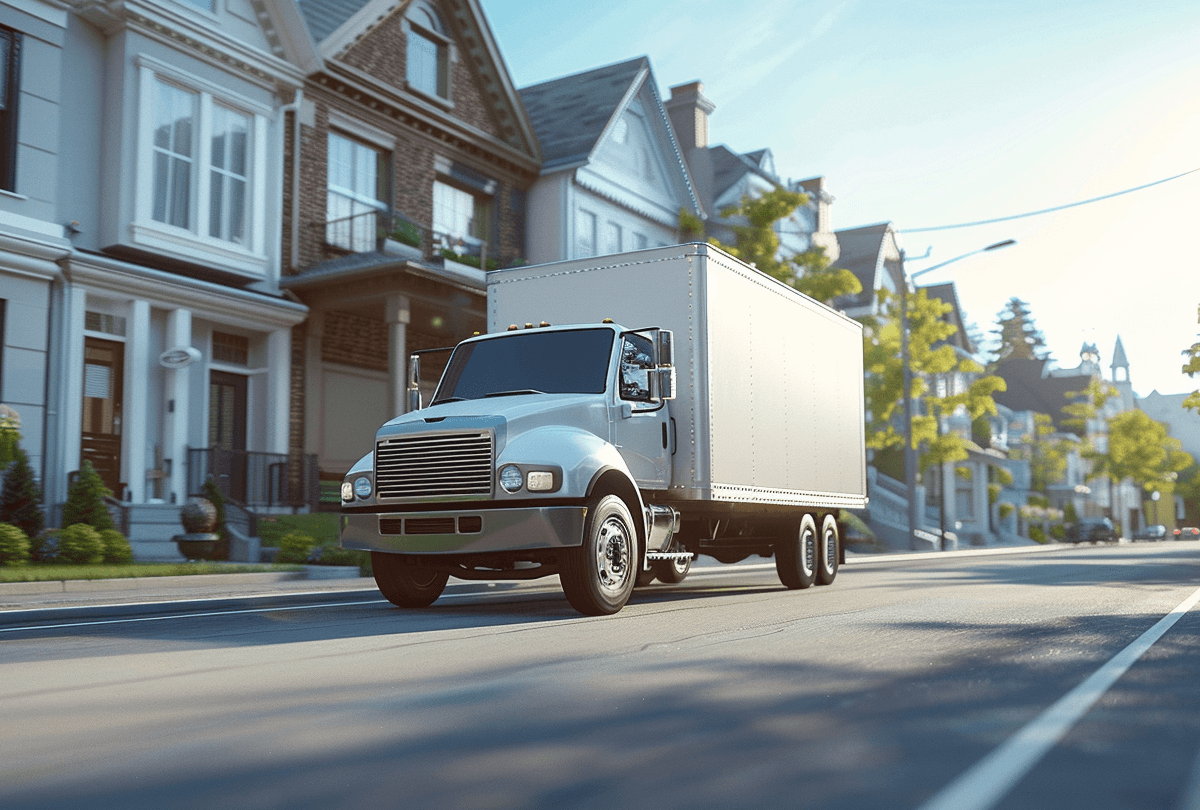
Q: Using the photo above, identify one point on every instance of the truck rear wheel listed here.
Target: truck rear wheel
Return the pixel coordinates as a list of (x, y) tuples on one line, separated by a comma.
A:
[(796, 555), (827, 566), (404, 584), (672, 571), (599, 576)]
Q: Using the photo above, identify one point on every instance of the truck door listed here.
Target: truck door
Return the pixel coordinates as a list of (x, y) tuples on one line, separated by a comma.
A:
[(641, 426)]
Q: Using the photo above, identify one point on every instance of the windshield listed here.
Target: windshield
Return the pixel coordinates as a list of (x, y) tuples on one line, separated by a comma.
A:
[(569, 362)]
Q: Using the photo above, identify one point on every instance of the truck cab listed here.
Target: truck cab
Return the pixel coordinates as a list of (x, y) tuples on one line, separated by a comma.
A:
[(534, 457)]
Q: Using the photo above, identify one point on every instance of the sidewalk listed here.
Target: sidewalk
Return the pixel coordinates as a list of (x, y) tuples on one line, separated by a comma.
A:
[(21, 596)]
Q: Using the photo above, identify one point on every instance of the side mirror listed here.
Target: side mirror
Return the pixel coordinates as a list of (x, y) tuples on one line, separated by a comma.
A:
[(661, 382), (414, 383), (664, 341)]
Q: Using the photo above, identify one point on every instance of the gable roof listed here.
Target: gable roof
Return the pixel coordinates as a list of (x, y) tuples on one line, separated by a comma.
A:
[(1031, 388), (323, 17), (570, 114), (864, 251), (336, 25)]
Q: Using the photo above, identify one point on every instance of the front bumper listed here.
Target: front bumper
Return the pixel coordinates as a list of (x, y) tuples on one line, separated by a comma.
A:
[(464, 531)]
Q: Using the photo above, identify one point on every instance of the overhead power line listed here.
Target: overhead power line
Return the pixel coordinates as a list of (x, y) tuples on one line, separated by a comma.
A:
[(1046, 210)]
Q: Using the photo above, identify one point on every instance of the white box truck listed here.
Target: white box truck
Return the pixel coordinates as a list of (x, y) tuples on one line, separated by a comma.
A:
[(622, 415)]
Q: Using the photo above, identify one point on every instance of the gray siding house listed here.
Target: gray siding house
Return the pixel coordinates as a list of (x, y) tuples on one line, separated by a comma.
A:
[(149, 186)]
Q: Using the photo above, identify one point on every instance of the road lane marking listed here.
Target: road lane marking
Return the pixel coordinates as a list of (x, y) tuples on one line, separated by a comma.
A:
[(990, 779)]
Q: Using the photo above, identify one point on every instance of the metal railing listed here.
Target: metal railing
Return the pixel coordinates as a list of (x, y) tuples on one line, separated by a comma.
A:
[(256, 479), (371, 230)]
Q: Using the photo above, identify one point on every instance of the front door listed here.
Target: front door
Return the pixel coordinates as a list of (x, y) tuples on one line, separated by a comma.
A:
[(640, 427), (103, 383), (227, 432)]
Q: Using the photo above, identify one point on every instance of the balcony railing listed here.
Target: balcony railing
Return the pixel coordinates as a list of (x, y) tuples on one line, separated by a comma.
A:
[(380, 231), (254, 479)]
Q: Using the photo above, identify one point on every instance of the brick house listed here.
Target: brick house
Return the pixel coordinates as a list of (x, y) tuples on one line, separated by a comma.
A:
[(414, 158)]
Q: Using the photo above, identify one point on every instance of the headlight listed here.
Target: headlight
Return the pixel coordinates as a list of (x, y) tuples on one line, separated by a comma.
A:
[(540, 481), (347, 491), (362, 487), (510, 478)]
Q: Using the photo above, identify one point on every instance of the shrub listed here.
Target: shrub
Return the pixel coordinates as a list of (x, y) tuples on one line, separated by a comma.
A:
[(14, 545), (116, 547), (80, 544), (1036, 534), (21, 497), (330, 553), (294, 547), (85, 500), (43, 547)]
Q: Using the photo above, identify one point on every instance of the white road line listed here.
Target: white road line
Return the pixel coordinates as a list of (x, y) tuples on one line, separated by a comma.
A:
[(990, 779)]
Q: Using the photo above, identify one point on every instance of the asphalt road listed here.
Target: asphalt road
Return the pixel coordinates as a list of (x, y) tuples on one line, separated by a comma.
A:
[(1058, 679)]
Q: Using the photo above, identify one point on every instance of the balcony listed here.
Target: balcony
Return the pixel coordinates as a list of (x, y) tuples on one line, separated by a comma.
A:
[(389, 232)]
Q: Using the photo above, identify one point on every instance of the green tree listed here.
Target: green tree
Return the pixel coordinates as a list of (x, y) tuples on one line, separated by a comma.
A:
[(1017, 335), (1191, 367), (1087, 406), (21, 497), (1047, 456), (85, 500), (757, 243), (10, 434), (1140, 449), (931, 356)]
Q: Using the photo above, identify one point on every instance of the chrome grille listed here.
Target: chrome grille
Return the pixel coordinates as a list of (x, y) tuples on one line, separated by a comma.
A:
[(434, 465)]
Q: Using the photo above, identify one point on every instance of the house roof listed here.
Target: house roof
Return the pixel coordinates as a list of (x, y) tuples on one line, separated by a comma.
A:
[(570, 114), (323, 17), (862, 249), (1030, 388)]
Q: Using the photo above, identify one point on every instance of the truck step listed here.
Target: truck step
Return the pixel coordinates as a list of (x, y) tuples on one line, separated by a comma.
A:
[(669, 555)]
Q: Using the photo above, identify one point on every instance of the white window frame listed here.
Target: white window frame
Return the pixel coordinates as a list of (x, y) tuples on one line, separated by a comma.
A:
[(362, 234), (585, 226), (445, 54), (194, 242)]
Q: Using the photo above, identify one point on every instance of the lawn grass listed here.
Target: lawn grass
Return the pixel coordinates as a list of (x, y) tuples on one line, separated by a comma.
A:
[(320, 526), (53, 572)]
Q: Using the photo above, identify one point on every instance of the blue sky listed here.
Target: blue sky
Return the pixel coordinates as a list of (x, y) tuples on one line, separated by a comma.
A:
[(935, 113)]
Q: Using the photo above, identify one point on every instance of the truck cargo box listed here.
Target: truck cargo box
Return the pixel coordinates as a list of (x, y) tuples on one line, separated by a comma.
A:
[(769, 406)]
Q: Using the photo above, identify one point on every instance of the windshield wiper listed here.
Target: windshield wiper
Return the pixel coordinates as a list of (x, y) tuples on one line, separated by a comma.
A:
[(514, 393), (449, 399)]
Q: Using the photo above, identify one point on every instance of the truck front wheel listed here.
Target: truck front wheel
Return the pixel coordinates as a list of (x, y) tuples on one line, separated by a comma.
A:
[(796, 555), (598, 577), (404, 584)]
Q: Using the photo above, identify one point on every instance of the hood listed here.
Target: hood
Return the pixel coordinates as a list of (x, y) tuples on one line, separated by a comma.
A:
[(508, 415)]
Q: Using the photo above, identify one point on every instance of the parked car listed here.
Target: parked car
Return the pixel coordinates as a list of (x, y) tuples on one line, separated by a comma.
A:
[(1156, 532), (1092, 530), (1187, 533)]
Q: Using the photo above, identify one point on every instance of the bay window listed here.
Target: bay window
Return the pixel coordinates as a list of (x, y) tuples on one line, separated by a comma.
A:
[(205, 154)]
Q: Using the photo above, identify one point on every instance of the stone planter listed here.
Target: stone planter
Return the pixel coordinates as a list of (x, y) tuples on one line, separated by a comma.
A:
[(197, 545), (393, 248)]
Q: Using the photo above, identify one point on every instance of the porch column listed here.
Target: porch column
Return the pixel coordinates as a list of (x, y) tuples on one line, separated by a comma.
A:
[(178, 415), (950, 500), (279, 378), (314, 383), (70, 402), (397, 316), (136, 402)]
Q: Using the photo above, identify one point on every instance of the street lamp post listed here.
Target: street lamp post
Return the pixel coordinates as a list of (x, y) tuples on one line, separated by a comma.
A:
[(910, 452)]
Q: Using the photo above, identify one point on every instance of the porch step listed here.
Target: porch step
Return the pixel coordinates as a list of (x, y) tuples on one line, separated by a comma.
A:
[(151, 527)]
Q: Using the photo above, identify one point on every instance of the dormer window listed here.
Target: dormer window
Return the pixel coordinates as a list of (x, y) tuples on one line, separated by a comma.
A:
[(428, 64)]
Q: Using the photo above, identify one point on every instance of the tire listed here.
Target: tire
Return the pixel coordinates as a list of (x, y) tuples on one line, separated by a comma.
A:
[(672, 571), (599, 576), (828, 553), (404, 584), (796, 555)]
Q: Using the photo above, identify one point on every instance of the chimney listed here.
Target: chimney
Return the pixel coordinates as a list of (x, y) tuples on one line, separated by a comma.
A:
[(688, 108)]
